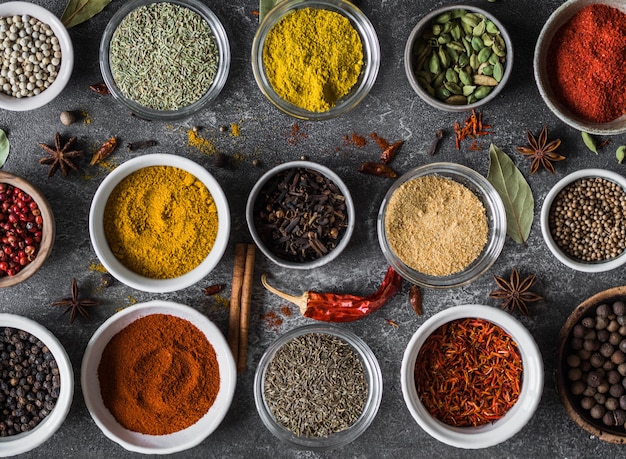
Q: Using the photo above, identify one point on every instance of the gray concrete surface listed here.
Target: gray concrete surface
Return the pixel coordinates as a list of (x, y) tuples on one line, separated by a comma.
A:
[(393, 111)]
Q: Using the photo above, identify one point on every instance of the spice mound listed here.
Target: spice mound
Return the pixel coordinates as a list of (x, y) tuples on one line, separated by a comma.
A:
[(32, 56), (587, 217), (163, 56), (586, 63), (312, 58), (595, 365), (160, 222), (468, 373), (21, 227), (300, 215), (30, 383), (435, 225), (159, 375), (315, 385)]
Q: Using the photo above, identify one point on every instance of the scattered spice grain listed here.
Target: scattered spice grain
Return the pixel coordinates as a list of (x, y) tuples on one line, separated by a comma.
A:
[(436, 225)]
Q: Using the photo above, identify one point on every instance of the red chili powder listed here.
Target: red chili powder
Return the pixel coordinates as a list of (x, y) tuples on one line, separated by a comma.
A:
[(586, 62)]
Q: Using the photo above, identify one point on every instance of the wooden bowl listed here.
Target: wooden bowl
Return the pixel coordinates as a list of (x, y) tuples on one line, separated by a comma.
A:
[(569, 400), (49, 229)]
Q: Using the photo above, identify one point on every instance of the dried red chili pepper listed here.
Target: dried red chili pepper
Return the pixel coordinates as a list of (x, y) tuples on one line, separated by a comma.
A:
[(100, 88), (335, 307), (104, 151), (377, 169), (390, 152), (415, 298)]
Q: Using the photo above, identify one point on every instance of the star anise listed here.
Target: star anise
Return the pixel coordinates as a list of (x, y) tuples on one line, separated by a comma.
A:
[(60, 156), (76, 305), (515, 293), (541, 151)]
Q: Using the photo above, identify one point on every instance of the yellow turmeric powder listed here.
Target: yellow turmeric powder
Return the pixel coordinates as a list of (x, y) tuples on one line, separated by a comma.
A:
[(160, 222), (313, 57)]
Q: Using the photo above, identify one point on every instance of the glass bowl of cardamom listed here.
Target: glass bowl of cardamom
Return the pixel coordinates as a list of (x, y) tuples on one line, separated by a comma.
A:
[(458, 58), (441, 225), (342, 394), (315, 60), (164, 59)]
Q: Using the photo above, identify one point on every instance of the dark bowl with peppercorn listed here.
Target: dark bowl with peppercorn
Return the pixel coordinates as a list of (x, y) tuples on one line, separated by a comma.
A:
[(591, 365), (576, 109), (300, 214), (451, 73), (27, 229), (48, 384), (586, 234), (16, 95)]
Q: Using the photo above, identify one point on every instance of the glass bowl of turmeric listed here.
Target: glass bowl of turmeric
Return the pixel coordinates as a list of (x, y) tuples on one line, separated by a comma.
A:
[(159, 223), (302, 71)]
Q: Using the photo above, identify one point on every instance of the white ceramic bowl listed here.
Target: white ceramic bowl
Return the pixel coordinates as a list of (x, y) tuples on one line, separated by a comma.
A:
[(410, 60), (27, 441), (494, 212), (256, 236), (371, 57), (545, 222), (67, 57), (124, 274), (515, 419), (157, 444), (541, 64), (373, 376)]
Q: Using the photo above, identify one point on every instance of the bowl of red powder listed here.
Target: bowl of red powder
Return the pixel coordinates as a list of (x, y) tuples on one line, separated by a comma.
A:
[(158, 378), (579, 65), (472, 376)]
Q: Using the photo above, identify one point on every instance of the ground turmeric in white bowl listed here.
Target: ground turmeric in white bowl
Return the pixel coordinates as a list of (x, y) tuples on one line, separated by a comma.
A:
[(159, 223)]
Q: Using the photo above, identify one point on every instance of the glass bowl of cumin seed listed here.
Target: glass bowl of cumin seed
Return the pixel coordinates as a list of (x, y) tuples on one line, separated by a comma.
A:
[(341, 396), (300, 214), (178, 49)]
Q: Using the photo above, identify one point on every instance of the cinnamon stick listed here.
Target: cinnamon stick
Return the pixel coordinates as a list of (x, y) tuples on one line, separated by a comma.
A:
[(246, 297), (235, 300)]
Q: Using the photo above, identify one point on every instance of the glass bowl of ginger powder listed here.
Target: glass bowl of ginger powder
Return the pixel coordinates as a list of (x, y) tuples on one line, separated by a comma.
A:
[(441, 225), (315, 59)]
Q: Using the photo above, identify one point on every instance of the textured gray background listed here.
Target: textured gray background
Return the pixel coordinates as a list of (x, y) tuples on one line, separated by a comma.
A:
[(392, 110)]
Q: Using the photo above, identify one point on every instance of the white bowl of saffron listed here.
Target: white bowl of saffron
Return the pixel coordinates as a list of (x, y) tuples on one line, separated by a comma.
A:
[(151, 335), (487, 419), (179, 252)]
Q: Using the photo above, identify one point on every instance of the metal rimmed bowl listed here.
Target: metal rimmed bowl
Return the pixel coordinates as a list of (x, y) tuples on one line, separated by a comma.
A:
[(514, 419), (541, 64), (67, 57), (371, 57), (411, 60), (495, 216), (338, 439), (224, 58)]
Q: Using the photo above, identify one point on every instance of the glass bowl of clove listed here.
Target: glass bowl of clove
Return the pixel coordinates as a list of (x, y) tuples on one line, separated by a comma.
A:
[(300, 214)]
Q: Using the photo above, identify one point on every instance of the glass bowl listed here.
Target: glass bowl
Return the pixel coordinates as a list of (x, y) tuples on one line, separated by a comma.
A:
[(26, 441), (373, 377), (157, 444), (257, 236), (515, 418), (494, 212), (411, 58), (110, 261), (223, 47), (371, 57), (559, 254), (67, 57), (541, 64)]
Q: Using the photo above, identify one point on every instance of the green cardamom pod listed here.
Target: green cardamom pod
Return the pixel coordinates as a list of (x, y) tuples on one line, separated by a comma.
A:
[(620, 153), (444, 57), (425, 75), (479, 29), (468, 89), (491, 27), (467, 45), (589, 142), (453, 87), (452, 76), (497, 50), (477, 44), (458, 13), (455, 31), (471, 19), (463, 60), (487, 39), (494, 59), (484, 55), (456, 99), (436, 29), (465, 77), (442, 93), (498, 71), (484, 80), (447, 27), (444, 38), (438, 81), (471, 99), (433, 64), (473, 62), (482, 92), (443, 17), (488, 70), (455, 45)]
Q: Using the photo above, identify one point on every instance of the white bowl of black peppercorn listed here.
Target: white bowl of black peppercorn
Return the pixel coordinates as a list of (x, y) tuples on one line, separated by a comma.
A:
[(583, 220)]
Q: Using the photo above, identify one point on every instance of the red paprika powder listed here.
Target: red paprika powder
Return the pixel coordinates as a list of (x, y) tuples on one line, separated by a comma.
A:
[(158, 375), (586, 62)]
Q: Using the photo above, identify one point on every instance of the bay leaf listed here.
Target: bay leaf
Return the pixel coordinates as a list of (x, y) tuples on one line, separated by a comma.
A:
[(515, 192), (4, 147), (265, 6), (78, 11)]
